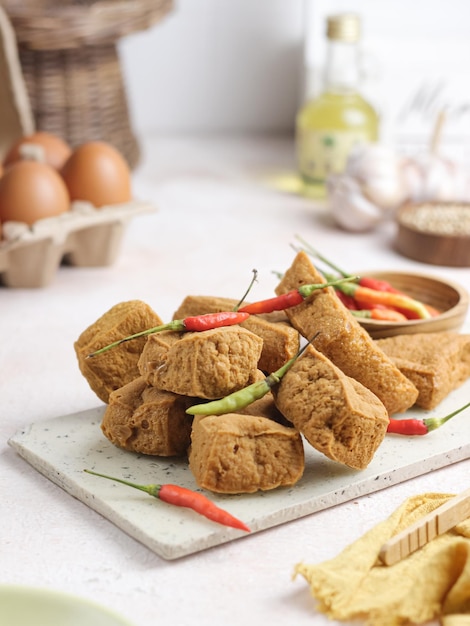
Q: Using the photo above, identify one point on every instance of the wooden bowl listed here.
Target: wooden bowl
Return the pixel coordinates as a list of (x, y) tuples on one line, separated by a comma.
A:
[(446, 296), (437, 233)]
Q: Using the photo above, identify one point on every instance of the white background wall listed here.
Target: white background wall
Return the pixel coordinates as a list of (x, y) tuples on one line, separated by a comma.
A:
[(239, 65), (217, 65), (417, 63)]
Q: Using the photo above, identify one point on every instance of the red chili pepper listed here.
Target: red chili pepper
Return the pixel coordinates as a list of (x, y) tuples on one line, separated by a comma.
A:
[(407, 427), (180, 496), (420, 427), (382, 314), (348, 301), (291, 298), (278, 303), (214, 320), (370, 305), (370, 298), (433, 312), (378, 285), (381, 285), (197, 323), (199, 503), (407, 313), (384, 286), (364, 295)]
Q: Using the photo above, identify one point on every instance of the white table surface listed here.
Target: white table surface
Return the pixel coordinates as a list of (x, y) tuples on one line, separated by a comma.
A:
[(215, 223)]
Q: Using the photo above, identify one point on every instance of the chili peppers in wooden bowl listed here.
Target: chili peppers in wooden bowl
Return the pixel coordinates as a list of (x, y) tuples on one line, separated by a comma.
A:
[(449, 298), (388, 303)]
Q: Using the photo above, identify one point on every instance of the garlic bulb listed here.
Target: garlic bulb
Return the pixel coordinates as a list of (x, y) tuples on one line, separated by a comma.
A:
[(412, 178), (378, 170), (349, 207), (378, 180), (430, 177)]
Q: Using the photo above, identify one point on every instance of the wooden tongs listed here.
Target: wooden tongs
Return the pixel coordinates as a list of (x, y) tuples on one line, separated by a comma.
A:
[(424, 530)]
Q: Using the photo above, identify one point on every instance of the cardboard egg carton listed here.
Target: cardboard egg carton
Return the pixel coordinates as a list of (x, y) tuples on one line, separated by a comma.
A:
[(83, 237)]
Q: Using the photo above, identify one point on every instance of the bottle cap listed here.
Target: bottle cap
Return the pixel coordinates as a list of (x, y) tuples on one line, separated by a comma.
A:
[(343, 27)]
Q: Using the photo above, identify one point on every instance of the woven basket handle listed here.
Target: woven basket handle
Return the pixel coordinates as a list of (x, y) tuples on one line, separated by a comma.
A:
[(16, 119)]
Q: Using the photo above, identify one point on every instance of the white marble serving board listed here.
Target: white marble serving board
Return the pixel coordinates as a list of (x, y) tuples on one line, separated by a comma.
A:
[(62, 447)]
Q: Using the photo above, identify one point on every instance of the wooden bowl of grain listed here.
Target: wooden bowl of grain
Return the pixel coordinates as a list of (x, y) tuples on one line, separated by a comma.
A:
[(437, 233), (449, 298)]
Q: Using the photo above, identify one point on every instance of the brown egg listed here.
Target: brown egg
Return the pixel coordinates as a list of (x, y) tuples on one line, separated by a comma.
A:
[(52, 149), (96, 172), (1, 174), (30, 191)]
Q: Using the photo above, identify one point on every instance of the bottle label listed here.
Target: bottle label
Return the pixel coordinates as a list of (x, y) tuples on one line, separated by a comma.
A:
[(325, 152)]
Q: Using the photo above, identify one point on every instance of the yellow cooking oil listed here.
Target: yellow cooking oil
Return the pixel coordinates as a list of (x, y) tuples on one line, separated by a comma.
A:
[(329, 126)]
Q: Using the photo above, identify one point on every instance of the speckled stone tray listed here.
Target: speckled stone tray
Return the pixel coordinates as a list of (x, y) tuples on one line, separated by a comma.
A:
[(61, 448)]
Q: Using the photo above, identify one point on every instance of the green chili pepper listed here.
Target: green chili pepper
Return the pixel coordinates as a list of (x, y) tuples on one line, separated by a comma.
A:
[(243, 397)]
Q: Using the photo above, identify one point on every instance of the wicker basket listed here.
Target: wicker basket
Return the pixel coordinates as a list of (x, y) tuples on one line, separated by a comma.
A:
[(71, 68)]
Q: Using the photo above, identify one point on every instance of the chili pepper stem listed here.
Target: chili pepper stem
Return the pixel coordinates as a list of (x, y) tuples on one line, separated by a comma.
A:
[(434, 422), (307, 290), (310, 250), (174, 325), (383, 315), (242, 300), (152, 490)]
